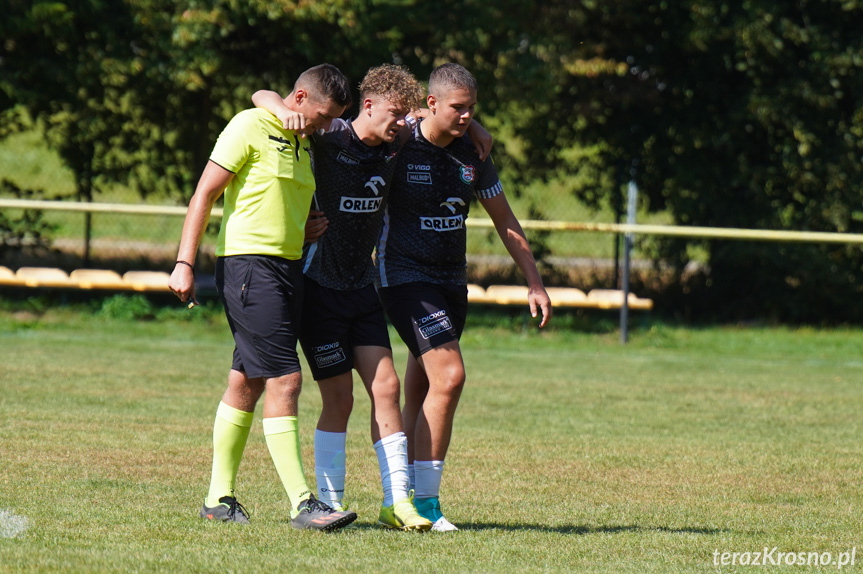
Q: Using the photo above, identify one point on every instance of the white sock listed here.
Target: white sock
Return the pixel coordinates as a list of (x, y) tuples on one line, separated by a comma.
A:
[(428, 476), (392, 454), (330, 466)]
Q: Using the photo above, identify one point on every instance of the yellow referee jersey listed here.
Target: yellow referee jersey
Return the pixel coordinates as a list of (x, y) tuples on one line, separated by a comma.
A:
[(267, 202)]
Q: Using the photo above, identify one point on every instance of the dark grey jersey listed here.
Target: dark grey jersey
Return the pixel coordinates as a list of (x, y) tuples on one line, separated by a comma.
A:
[(352, 184), (424, 236)]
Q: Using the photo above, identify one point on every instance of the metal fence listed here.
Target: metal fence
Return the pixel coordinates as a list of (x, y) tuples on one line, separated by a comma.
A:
[(152, 232), (125, 236)]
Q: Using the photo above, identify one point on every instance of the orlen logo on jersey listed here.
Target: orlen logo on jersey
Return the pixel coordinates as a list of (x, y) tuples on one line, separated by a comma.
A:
[(467, 173), (442, 223), (418, 173), (360, 204)]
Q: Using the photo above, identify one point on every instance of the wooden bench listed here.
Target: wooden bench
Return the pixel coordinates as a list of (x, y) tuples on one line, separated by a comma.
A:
[(560, 297), (141, 281), (157, 281)]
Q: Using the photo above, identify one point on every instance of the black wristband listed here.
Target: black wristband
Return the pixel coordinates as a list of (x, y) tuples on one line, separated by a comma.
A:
[(186, 263)]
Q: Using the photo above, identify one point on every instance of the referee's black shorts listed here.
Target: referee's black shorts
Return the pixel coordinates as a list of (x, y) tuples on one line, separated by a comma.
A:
[(426, 315), (263, 299), (338, 322)]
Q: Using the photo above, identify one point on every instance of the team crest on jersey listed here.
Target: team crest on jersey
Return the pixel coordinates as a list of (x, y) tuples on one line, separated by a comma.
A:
[(467, 173)]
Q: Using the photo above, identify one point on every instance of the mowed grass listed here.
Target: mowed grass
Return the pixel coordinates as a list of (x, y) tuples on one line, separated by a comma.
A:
[(571, 452)]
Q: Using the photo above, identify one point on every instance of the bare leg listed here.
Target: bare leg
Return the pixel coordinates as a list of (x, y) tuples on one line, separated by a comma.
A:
[(337, 396), (242, 393), (416, 389), (444, 369), (283, 394), (376, 369)]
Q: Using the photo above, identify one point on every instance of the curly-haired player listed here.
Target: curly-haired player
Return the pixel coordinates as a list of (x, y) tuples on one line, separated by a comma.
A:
[(346, 328)]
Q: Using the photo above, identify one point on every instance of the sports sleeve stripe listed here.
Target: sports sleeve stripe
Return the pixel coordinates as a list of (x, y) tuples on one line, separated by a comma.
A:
[(223, 167), (490, 192)]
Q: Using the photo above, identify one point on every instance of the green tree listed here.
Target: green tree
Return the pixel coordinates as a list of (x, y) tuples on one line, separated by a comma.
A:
[(734, 114), (737, 114)]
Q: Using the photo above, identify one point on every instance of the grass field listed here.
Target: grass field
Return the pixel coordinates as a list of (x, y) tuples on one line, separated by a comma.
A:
[(571, 452)]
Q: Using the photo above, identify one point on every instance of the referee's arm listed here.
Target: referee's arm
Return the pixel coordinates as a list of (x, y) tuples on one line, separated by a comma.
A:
[(212, 184)]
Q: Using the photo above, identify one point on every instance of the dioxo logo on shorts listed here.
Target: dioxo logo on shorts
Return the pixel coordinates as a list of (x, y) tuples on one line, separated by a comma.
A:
[(431, 325)]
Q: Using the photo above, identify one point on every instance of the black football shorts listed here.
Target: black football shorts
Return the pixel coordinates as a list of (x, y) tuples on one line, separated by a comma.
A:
[(336, 323), (426, 315), (263, 299)]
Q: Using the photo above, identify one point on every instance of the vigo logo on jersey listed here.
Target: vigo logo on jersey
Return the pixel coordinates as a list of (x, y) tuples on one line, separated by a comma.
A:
[(418, 173), (360, 204), (442, 223)]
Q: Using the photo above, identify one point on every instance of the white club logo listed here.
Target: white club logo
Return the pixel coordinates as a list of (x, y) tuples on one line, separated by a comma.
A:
[(450, 201), (374, 182)]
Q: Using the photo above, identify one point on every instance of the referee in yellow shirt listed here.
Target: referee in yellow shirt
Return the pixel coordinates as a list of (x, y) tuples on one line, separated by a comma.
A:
[(265, 173)]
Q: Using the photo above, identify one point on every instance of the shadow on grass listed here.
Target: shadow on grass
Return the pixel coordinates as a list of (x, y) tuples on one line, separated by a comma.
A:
[(578, 529), (565, 529)]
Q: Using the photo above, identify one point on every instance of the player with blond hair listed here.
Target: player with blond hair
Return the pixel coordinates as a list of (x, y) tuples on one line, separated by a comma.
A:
[(354, 164)]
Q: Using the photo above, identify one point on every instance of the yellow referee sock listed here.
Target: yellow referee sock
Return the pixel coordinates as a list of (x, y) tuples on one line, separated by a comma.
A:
[(283, 441), (230, 433)]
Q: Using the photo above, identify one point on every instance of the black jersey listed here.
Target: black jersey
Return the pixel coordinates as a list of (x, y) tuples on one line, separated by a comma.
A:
[(424, 236), (352, 185)]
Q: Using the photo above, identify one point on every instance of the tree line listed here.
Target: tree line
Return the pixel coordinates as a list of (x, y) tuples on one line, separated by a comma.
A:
[(729, 114)]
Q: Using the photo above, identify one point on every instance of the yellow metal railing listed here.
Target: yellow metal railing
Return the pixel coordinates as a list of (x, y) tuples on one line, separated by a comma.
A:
[(480, 222)]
